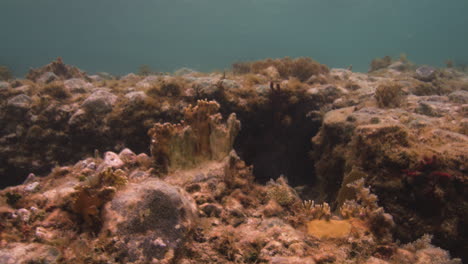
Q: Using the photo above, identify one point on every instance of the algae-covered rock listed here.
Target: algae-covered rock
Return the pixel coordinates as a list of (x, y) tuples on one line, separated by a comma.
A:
[(76, 85), (151, 220), (460, 97), (19, 104), (47, 77), (426, 73), (99, 102)]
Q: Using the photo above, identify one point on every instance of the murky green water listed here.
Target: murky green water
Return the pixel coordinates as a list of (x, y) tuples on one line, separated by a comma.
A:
[(119, 35)]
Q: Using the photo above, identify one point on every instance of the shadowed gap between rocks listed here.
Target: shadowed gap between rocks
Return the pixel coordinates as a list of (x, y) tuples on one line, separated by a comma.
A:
[(276, 148)]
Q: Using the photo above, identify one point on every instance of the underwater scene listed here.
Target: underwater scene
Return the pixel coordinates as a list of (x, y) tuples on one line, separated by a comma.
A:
[(248, 131)]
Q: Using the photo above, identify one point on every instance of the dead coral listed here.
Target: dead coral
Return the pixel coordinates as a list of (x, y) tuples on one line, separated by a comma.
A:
[(200, 137), (389, 95)]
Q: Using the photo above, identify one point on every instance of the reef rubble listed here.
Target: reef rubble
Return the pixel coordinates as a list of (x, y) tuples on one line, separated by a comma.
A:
[(276, 161)]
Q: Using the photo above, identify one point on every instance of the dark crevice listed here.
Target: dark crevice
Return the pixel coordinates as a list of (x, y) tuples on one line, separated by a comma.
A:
[(278, 147)]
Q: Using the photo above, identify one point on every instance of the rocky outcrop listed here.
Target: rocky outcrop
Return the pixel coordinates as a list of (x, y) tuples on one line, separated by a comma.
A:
[(404, 163), (57, 68)]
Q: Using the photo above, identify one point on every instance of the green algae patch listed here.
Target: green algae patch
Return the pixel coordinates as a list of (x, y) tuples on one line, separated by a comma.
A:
[(329, 229)]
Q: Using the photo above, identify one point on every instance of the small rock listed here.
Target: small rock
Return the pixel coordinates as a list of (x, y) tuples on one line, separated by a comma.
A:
[(130, 77), (76, 85), (205, 85), (230, 84), (79, 117), (136, 97), (324, 258), (31, 178), (184, 71), (4, 85), (95, 78), (211, 209), (128, 156), (143, 160), (373, 260), (101, 101), (31, 187), (292, 260), (24, 215), (263, 89), (138, 174), (112, 160), (106, 76), (47, 77), (398, 66), (147, 82), (19, 103), (43, 234), (460, 97), (272, 73), (425, 73), (429, 109)]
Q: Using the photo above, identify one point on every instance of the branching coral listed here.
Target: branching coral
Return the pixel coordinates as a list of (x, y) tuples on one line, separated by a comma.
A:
[(380, 223), (316, 211)]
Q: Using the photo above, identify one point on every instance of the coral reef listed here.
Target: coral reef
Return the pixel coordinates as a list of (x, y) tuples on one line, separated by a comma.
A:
[(330, 166)]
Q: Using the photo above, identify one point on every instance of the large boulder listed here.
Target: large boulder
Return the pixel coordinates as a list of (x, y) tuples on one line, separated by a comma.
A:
[(151, 220)]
